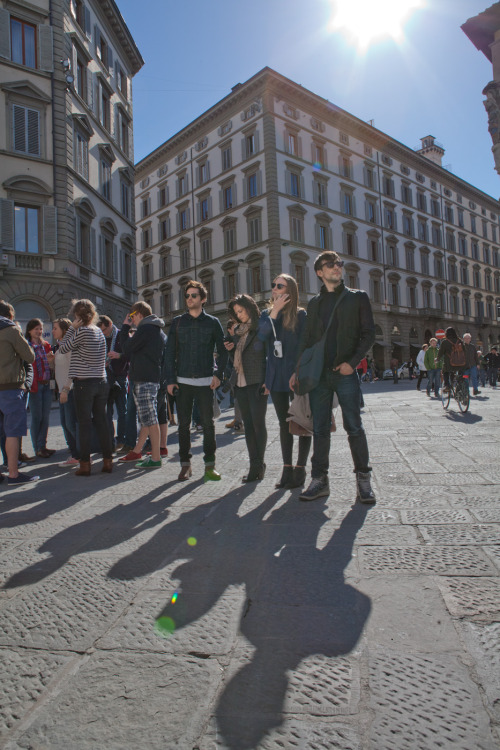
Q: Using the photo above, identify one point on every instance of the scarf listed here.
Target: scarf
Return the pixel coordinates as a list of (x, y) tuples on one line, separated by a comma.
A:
[(242, 331), (41, 361)]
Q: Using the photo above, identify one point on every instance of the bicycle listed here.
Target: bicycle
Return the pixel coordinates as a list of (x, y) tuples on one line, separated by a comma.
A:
[(459, 389)]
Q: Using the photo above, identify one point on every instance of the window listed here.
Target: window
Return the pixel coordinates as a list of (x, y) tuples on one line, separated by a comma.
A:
[(26, 130), (466, 306), (436, 235), (204, 209), (474, 250), (462, 244), (393, 292), (371, 211), (320, 195), (460, 213), (250, 146), (230, 284), (452, 270), (450, 241), (349, 238), (103, 50), (421, 201), (182, 184), (486, 254), (164, 228), (105, 168), (476, 276), (165, 265), (448, 214), (473, 223), (166, 302), (122, 131), (146, 238), (375, 290), (347, 202), (227, 197), (424, 262), (203, 173), (408, 225), (185, 256), (454, 303), (412, 297), (122, 81), (252, 185), (318, 155), (392, 255), (438, 267), (496, 257), (229, 232), (147, 271), (163, 196), (464, 273), (426, 296), (294, 184), (183, 219), (422, 230), (255, 274), (23, 43), (390, 217), (297, 231), (291, 143), (104, 108), (82, 154), (206, 247), (493, 233), (440, 299), (81, 79), (435, 208), (299, 276), (388, 185), (410, 259), (369, 173), (485, 230), (254, 225), (373, 250), (145, 207), (26, 229), (406, 195), (345, 167), (227, 160)]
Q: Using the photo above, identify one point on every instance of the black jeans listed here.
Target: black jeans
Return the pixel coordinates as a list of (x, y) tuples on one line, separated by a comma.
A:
[(281, 401), (91, 397), (205, 398), (253, 406), (421, 375)]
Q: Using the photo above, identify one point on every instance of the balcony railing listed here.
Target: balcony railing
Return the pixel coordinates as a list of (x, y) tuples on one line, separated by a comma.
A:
[(30, 262)]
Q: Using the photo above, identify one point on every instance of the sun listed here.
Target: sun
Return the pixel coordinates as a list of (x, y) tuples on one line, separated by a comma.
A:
[(367, 21)]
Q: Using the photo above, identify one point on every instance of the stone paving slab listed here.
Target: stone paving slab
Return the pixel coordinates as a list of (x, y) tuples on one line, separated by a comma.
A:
[(136, 611)]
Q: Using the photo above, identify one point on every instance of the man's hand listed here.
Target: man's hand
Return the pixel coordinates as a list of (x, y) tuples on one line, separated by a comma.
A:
[(171, 389), (291, 382), (229, 345), (114, 355), (63, 397), (215, 383), (344, 369)]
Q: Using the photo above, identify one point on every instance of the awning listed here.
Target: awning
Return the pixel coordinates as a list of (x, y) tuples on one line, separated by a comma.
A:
[(398, 343)]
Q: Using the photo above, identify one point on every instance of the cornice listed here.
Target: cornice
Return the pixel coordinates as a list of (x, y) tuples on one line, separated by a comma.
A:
[(122, 33)]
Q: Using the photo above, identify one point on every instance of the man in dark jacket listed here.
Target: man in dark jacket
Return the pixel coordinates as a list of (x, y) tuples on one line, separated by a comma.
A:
[(116, 374), (145, 349), (492, 360), (349, 337), (191, 372)]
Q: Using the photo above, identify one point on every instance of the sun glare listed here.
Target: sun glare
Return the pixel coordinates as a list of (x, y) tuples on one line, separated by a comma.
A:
[(364, 22)]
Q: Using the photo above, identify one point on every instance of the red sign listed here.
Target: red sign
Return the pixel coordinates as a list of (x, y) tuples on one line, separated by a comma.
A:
[(440, 334)]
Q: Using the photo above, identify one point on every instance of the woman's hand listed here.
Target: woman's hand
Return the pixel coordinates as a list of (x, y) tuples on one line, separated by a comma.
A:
[(291, 382), (265, 390), (77, 323), (279, 303), (51, 357), (63, 397), (229, 345)]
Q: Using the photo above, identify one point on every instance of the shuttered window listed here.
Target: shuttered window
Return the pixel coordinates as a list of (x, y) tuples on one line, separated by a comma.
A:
[(26, 229), (26, 130), (23, 43)]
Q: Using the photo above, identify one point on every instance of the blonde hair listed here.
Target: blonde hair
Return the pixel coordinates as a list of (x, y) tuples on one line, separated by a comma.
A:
[(83, 309), (292, 307)]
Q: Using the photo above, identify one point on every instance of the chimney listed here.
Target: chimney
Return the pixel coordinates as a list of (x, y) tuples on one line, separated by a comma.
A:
[(431, 150)]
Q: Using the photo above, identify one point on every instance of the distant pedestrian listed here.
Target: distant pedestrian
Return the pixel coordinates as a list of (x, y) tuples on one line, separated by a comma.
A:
[(394, 365), (482, 368), (421, 365), (492, 360)]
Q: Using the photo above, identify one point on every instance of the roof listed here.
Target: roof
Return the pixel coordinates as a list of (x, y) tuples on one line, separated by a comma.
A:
[(481, 29)]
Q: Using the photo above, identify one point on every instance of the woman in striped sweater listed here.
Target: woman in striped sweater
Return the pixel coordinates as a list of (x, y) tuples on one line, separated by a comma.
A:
[(87, 345)]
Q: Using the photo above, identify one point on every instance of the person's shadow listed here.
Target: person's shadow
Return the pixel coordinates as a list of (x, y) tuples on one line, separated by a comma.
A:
[(297, 605)]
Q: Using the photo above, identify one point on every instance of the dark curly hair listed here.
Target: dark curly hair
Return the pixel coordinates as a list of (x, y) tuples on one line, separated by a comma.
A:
[(249, 304)]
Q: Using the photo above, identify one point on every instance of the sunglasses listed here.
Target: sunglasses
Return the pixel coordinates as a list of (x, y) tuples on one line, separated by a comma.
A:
[(333, 263), (275, 285), (192, 295)]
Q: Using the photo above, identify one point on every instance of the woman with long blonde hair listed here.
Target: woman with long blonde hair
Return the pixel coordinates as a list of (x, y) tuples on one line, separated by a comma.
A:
[(281, 326)]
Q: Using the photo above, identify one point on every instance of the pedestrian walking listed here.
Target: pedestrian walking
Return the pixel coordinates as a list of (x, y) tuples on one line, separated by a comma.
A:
[(40, 394), (433, 367), (14, 353), (394, 365), (248, 352), (281, 327), (482, 368), (422, 373), (87, 369), (347, 317), (471, 363), (191, 373), (492, 361)]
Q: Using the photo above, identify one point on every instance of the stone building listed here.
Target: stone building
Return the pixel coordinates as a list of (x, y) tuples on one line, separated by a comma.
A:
[(272, 174), (67, 176)]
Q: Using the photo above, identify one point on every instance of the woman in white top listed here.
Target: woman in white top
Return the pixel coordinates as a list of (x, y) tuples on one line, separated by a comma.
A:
[(67, 411)]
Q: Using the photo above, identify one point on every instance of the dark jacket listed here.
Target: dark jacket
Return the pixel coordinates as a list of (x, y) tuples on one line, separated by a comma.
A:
[(280, 369), (445, 350), (354, 323), (145, 349), (191, 345), (471, 358), (115, 368), (253, 357), (492, 359)]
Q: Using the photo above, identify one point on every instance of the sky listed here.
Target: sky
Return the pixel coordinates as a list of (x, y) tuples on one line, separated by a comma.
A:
[(429, 82)]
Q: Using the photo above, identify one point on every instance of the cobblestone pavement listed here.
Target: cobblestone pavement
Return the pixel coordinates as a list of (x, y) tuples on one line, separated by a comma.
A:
[(139, 612)]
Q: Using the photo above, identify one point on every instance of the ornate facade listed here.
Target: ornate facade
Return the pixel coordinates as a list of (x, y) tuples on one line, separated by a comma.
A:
[(67, 179), (273, 174)]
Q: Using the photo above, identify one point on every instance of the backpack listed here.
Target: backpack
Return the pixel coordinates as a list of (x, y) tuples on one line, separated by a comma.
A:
[(457, 355)]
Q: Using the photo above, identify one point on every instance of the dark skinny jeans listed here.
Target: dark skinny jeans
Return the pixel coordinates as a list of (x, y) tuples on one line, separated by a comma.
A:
[(185, 398), (281, 401), (91, 398), (253, 406)]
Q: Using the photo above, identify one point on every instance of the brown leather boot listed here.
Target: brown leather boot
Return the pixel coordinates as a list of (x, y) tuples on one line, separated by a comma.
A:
[(107, 465), (185, 473), (84, 470)]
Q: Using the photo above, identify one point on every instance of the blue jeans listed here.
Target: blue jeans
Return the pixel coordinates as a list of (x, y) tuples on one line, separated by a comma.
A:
[(321, 398), (40, 411), (69, 424), (434, 381), (473, 376), (118, 398)]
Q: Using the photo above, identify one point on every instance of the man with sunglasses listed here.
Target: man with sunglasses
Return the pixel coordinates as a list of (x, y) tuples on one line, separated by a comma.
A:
[(350, 335), (191, 372)]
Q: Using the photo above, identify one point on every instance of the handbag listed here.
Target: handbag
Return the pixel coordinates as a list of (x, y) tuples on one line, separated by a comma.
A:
[(311, 361)]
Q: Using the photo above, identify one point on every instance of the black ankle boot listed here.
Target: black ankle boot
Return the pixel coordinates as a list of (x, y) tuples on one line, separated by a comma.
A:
[(298, 478), (255, 474), (286, 477)]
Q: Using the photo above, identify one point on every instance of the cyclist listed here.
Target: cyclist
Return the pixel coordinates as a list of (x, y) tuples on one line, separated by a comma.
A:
[(452, 356)]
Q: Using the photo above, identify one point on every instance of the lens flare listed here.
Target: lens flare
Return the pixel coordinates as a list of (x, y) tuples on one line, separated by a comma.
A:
[(192, 541), (174, 598), (165, 626)]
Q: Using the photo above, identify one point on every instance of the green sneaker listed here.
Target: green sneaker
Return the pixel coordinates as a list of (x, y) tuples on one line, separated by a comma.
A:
[(148, 463), (211, 475)]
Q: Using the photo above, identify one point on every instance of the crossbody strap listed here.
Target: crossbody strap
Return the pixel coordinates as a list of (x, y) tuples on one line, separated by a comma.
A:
[(272, 325), (344, 292)]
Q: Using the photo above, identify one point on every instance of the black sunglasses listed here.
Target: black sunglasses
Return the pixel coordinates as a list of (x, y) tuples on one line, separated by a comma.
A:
[(275, 285), (193, 295), (333, 263)]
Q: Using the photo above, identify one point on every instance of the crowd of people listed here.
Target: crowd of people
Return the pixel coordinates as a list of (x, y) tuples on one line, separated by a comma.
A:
[(139, 371)]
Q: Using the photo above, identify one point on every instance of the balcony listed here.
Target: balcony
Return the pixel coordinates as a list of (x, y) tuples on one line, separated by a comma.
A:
[(29, 262), (431, 312)]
